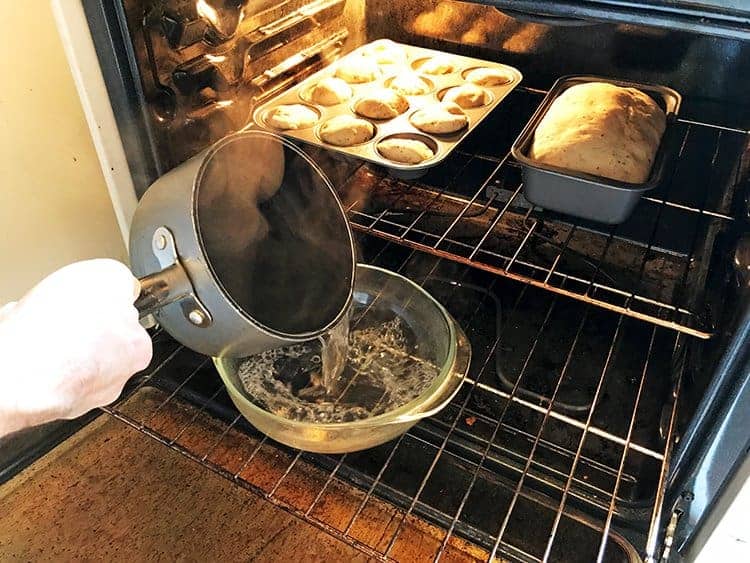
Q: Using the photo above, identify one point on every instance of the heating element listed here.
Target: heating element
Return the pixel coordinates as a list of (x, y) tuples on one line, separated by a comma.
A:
[(558, 444)]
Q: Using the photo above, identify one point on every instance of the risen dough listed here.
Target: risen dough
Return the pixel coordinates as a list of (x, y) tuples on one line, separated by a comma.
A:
[(409, 84), (292, 116), (385, 51), (330, 91), (381, 103), (346, 130), (407, 151), (356, 70), (487, 76), (466, 96), (601, 129), (439, 118), (442, 64)]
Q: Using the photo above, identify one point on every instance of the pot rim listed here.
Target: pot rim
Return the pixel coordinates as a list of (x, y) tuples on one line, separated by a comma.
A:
[(269, 331)]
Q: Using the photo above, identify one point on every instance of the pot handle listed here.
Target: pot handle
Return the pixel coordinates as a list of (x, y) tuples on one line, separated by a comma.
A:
[(162, 288), (170, 284)]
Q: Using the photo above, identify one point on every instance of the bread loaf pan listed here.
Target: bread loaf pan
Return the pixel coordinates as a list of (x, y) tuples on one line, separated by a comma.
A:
[(585, 195)]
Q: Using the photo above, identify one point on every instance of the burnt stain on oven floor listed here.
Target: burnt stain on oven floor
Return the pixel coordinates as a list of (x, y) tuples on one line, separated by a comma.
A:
[(114, 493)]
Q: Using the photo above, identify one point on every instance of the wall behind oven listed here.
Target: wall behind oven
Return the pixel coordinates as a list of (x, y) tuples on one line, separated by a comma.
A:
[(54, 205)]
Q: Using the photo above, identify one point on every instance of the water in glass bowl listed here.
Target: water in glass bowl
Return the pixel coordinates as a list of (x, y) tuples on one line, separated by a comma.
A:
[(352, 374)]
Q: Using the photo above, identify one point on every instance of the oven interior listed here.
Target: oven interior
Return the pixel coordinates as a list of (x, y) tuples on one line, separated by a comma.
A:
[(591, 344)]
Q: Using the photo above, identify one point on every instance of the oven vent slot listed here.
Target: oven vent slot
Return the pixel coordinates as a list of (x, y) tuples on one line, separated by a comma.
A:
[(204, 63)]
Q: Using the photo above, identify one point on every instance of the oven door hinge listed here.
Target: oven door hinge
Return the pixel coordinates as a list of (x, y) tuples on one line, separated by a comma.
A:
[(669, 535), (668, 554)]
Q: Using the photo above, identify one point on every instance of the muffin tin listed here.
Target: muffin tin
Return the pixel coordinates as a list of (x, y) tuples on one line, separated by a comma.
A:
[(398, 126)]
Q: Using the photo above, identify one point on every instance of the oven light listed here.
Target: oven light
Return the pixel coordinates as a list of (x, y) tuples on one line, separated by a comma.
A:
[(215, 58), (224, 103), (205, 10)]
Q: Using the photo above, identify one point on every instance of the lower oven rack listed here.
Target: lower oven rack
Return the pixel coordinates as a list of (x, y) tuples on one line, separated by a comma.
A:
[(489, 439), (558, 444)]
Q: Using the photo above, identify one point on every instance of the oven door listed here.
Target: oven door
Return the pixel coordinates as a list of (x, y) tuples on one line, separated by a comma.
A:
[(710, 479)]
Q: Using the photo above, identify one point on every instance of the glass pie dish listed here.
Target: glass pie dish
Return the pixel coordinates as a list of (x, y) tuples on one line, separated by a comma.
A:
[(430, 342)]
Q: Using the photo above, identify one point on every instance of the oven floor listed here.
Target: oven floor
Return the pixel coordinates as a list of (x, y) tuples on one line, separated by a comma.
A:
[(114, 492)]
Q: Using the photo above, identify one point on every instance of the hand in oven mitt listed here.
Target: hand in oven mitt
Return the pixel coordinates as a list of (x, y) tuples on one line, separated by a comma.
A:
[(70, 344)]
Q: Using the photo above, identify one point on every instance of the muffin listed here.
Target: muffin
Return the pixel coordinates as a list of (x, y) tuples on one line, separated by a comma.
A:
[(381, 103), (330, 91), (346, 130), (385, 51), (466, 96), (292, 116), (406, 151), (358, 70), (487, 76), (442, 64), (409, 84), (440, 118)]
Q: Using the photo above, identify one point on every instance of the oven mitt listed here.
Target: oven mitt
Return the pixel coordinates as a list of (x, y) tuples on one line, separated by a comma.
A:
[(70, 344)]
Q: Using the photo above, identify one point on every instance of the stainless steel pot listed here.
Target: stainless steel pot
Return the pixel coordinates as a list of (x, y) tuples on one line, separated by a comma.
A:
[(243, 248)]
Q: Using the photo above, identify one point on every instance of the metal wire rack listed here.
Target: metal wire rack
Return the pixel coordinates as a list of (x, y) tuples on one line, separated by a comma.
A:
[(557, 446), (492, 458), (472, 211)]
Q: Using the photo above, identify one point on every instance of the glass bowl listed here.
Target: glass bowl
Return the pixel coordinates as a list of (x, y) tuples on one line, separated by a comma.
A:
[(432, 336)]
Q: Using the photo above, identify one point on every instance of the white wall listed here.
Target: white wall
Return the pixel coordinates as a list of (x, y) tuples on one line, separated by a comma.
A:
[(54, 205), (725, 535)]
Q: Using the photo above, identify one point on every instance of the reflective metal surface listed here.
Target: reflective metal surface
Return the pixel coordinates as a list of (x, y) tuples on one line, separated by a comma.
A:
[(263, 242)]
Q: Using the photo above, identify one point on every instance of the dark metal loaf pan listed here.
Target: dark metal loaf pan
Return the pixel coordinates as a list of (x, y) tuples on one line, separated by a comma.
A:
[(585, 195)]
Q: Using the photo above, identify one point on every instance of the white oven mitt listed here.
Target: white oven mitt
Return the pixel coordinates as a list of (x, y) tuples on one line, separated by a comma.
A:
[(70, 344)]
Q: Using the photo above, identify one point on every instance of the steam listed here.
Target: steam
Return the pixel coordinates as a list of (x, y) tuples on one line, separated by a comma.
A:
[(274, 235)]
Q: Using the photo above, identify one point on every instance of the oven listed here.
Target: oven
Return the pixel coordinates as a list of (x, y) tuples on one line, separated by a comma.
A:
[(603, 414)]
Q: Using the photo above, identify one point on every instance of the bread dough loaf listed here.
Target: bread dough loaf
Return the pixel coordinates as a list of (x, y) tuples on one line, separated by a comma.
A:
[(330, 91), (409, 84), (346, 130), (406, 151), (292, 116), (385, 51), (440, 118), (484, 76), (358, 69), (442, 64), (601, 129), (381, 103), (466, 96)]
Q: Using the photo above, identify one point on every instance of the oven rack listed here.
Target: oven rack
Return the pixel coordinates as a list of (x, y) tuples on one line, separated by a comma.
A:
[(578, 492), (404, 212)]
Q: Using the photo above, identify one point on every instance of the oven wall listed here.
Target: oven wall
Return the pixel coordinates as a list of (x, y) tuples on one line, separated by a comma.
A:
[(199, 72), (702, 68)]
